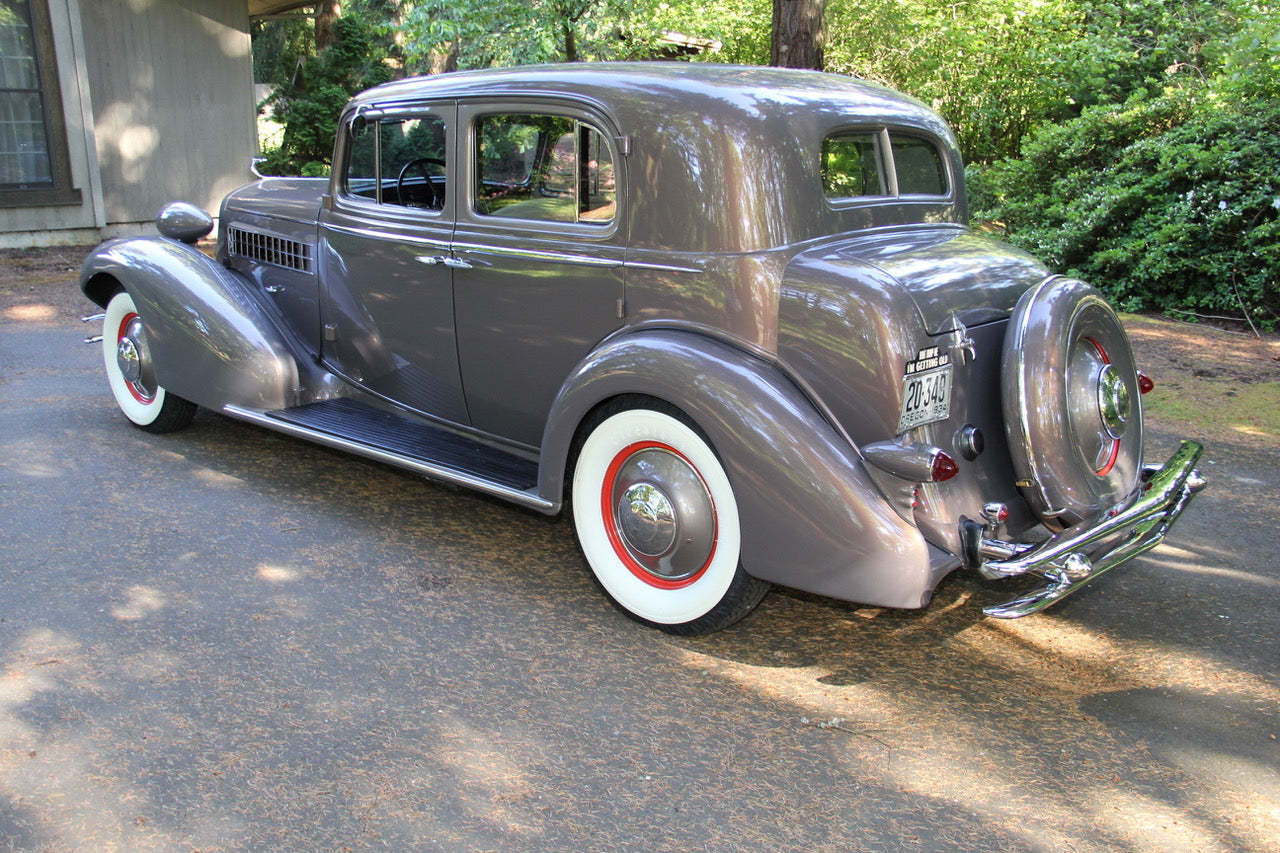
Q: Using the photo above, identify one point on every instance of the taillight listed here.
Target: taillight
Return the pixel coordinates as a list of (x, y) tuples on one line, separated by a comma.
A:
[(942, 468), (1144, 383)]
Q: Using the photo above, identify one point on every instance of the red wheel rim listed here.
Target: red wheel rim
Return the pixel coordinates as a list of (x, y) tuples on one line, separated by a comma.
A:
[(122, 334), (1115, 442), (616, 537)]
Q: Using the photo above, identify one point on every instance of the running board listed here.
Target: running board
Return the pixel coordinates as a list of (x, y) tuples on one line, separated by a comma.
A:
[(414, 445)]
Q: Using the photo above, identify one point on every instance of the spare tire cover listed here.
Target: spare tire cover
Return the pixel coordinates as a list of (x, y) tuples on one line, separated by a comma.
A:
[(1072, 410)]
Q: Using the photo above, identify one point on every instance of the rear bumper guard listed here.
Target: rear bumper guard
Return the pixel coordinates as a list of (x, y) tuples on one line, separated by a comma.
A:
[(1079, 554)]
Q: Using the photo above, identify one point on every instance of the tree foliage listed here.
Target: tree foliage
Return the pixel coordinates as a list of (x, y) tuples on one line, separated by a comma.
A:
[(1169, 201), (1131, 141), (309, 102), (482, 33)]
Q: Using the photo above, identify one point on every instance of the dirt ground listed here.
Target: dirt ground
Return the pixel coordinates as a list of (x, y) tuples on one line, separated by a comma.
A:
[(37, 284), (229, 640)]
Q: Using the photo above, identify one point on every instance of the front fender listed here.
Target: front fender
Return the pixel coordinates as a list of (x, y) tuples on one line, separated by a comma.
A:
[(211, 341), (812, 518)]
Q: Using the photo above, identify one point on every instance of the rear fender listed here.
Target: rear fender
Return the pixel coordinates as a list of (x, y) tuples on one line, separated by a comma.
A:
[(212, 342), (812, 518)]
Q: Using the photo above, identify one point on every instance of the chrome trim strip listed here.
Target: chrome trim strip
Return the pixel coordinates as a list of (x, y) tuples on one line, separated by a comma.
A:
[(1064, 560), (443, 245), (538, 255), (437, 472), (642, 265), (506, 251)]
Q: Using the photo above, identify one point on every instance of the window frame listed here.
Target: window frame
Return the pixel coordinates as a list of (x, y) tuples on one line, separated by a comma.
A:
[(375, 115), (884, 138), (61, 192), (471, 113)]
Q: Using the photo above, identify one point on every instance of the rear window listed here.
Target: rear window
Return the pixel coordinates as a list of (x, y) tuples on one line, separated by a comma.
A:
[(862, 164)]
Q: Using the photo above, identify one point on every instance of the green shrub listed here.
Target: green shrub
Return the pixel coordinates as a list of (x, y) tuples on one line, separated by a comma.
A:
[(308, 106), (1170, 203)]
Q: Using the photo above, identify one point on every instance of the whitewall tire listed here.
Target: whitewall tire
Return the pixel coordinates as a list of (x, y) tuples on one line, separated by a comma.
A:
[(126, 354), (657, 521)]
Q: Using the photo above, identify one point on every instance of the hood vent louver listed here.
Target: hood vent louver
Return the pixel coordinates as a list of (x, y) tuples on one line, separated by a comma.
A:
[(277, 251)]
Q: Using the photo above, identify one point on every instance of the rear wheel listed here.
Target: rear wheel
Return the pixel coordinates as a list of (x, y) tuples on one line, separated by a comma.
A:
[(126, 353), (657, 521)]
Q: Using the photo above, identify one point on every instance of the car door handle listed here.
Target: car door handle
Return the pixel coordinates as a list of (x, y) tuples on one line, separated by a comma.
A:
[(452, 263)]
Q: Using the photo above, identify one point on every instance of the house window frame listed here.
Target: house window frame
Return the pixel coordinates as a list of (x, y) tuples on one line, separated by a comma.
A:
[(55, 125)]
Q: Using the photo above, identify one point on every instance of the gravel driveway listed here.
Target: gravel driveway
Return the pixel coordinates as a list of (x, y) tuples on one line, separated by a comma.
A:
[(224, 639)]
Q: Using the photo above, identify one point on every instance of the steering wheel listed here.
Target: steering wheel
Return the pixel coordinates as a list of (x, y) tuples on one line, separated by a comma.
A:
[(436, 200)]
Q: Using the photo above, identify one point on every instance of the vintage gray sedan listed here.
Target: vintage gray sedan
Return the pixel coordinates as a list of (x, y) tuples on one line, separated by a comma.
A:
[(732, 319)]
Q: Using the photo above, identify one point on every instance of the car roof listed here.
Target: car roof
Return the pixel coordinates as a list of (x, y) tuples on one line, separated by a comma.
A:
[(730, 154), (660, 87)]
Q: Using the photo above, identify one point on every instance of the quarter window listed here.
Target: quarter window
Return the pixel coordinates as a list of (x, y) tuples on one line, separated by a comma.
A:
[(851, 166), (919, 166), (859, 164), (543, 168)]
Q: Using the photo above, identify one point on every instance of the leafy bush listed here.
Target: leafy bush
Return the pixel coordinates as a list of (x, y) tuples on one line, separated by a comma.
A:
[(1169, 203), (308, 105)]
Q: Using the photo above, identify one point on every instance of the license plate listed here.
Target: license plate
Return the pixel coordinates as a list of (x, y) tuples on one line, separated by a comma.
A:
[(926, 397)]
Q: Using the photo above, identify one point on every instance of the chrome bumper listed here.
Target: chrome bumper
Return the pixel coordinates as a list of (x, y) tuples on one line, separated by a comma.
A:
[(1079, 554)]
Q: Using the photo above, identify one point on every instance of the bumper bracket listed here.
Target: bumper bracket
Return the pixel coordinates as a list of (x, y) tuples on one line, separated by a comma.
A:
[(1070, 559)]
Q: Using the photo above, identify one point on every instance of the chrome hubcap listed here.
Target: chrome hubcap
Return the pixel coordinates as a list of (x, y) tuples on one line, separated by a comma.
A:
[(647, 519), (133, 358), (663, 515), (1114, 403), (1099, 404), (129, 361)]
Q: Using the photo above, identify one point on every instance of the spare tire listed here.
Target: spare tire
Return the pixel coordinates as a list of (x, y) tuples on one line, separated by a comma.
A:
[(1072, 410)]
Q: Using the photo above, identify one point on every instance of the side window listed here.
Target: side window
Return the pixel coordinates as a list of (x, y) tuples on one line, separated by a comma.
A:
[(543, 168), (859, 164), (851, 166), (919, 166), (362, 160), (398, 161)]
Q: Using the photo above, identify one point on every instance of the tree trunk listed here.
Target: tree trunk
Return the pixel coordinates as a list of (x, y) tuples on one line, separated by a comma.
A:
[(570, 41), (443, 59), (797, 34), (328, 12)]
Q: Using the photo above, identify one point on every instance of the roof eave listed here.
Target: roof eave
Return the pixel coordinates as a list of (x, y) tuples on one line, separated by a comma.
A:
[(266, 8)]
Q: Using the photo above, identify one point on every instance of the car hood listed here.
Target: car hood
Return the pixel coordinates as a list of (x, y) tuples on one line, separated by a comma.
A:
[(952, 274), (295, 199)]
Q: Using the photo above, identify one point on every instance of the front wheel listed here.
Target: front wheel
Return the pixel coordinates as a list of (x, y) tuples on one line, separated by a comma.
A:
[(126, 354), (657, 521)]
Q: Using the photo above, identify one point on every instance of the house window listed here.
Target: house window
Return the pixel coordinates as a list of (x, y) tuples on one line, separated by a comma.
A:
[(34, 170)]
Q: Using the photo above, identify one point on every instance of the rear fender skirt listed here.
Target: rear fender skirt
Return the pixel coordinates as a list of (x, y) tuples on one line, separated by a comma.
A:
[(812, 518), (213, 343)]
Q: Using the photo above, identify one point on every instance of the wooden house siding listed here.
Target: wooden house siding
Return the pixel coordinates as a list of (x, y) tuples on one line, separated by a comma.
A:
[(172, 102), (158, 100)]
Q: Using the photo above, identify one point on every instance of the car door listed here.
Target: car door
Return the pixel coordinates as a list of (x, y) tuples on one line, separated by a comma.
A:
[(387, 310), (538, 246)]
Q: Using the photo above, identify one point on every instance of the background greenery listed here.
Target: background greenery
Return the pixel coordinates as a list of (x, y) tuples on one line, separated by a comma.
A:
[(1134, 143)]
